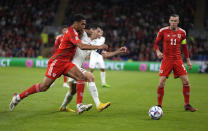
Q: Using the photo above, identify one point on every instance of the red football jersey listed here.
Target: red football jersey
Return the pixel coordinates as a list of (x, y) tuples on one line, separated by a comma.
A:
[(171, 42), (67, 48), (58, 42)]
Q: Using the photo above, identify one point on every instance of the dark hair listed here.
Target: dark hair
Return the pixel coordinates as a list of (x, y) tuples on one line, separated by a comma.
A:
[(94, 26), (174, 15), (78, 18)]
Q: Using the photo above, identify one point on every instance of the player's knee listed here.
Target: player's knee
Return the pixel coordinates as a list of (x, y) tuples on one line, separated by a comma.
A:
[(185, 82), (44, 87), (81, 77), (90, 77), (162, 83)]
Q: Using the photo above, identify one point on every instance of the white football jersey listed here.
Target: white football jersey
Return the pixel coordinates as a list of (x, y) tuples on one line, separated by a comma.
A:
[(97, 42), (80, 55)]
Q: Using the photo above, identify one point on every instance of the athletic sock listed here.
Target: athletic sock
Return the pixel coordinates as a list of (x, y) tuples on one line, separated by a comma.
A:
[(33, 89), (160, 94), (94, 93), (80, 90), (186, 93), (103, 78), (67, 100), (65, 79)]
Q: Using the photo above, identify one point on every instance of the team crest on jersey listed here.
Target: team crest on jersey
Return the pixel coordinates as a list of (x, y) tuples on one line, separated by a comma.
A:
[(168, 35), (179, 35)]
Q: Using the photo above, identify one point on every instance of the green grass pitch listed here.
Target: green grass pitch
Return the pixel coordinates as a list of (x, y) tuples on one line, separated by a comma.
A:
[(131, 96)]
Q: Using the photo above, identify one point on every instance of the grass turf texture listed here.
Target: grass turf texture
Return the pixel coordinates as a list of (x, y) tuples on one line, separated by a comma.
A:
[(131, 95)]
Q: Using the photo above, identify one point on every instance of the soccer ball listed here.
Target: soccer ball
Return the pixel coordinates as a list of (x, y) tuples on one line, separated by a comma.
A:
[(155, 112)]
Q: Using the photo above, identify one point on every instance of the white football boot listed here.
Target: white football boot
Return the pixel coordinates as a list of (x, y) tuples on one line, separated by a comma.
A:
[(81, 108), (14, 102)]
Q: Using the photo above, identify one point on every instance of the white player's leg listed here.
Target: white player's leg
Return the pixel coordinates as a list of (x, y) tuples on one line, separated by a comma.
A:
[(92, 62), (68, 97), (103, 77), (102, 73), (94, 92)]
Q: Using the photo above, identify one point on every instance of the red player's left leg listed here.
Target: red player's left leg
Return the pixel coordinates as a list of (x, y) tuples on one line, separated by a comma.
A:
[(74, 72), (186, 93), (180, 71)]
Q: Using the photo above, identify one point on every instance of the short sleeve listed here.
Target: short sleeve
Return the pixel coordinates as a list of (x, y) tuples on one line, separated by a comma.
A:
[(74, 39)]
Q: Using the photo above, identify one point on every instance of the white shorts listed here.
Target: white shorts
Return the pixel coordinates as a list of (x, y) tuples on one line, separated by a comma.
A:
[(96, 59), (81, 69)]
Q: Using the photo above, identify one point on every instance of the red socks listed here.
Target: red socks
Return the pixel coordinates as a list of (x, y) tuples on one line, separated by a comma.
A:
[(186, 93), (160, 94), (80, 90), (65, 79), (33, 89)]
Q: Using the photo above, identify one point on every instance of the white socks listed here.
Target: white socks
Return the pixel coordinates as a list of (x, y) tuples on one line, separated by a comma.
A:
[(102, 76), (94, 93), (67, 99)]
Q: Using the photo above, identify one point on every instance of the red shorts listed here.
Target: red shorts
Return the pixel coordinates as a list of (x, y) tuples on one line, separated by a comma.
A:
[(176, 66), (58, 67)]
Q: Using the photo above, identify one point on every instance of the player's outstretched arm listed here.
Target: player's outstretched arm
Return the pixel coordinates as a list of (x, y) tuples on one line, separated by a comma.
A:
[(91, 47), (110, 54)]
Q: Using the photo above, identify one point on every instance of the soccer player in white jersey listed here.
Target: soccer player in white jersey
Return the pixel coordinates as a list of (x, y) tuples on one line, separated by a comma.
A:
[(78, 60), (97, 59)]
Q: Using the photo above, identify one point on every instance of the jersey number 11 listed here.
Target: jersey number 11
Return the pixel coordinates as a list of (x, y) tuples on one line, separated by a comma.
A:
[(173, 41)]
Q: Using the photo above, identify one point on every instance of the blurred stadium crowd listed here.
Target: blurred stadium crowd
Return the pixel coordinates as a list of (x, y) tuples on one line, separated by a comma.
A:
[(132, 23), (21, 23)]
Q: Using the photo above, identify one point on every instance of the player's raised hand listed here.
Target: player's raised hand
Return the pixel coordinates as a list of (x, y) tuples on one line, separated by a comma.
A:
[(189, 63), (103, 46), (159, 54), (123, 50)]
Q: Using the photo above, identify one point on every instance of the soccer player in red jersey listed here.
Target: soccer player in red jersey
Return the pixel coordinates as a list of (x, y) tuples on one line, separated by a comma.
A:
[(56, 46), (173, 37), (60, 63)]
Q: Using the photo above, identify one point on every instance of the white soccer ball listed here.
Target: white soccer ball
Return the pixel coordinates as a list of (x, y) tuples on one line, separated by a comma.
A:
[(155, 112)]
